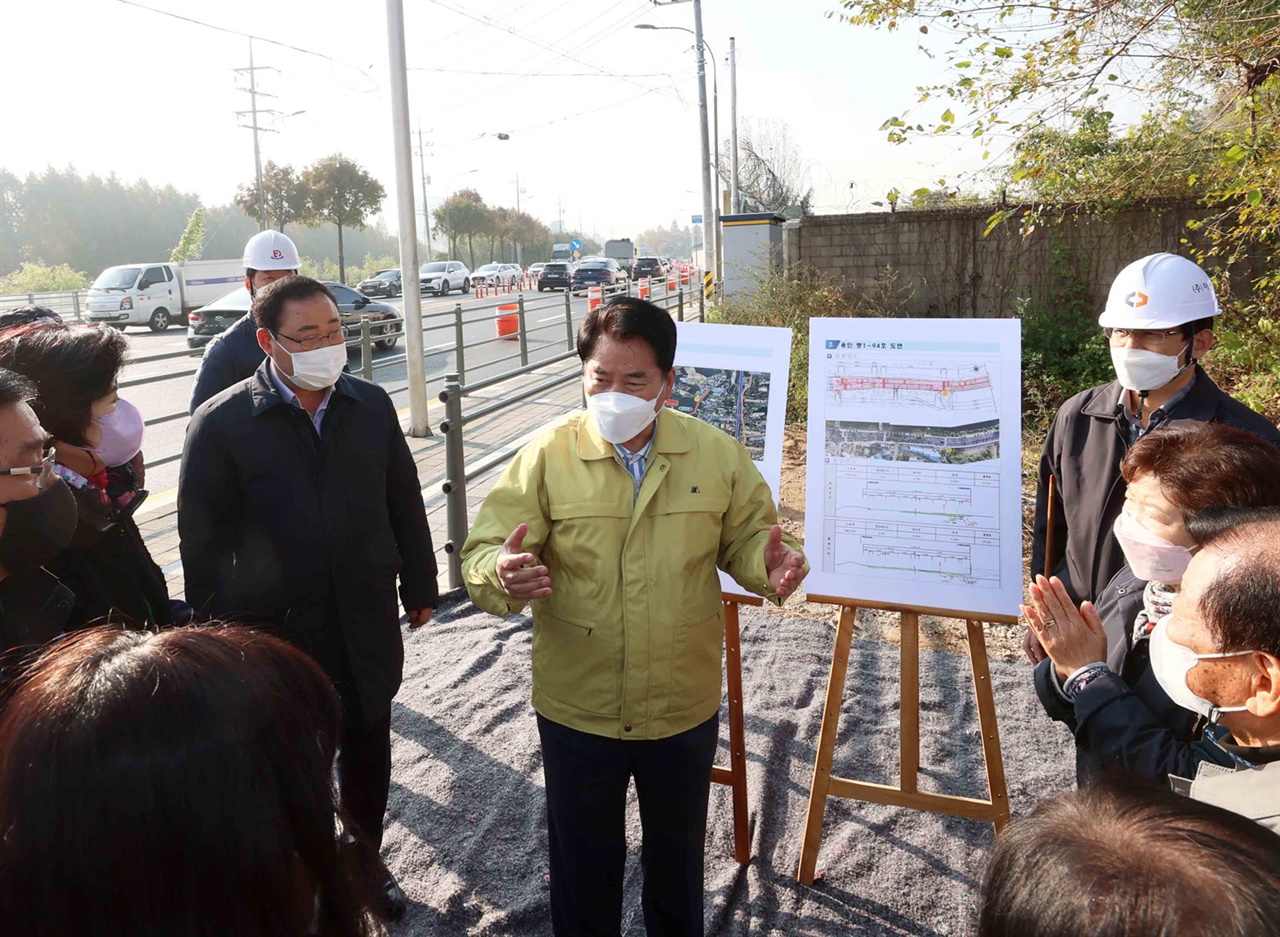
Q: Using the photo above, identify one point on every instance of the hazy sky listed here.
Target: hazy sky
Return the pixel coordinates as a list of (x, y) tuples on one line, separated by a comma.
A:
[(601, 116)]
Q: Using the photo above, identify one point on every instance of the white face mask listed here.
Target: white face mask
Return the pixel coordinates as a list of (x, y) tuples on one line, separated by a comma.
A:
[(1139, 369), (620, 417), (1171, 662), (1150, 557), (318, 369)]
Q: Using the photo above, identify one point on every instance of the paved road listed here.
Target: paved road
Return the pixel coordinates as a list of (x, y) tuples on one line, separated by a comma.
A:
[(545, 320)]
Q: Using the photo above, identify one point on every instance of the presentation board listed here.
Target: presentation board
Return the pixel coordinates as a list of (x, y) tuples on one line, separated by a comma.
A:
[(735, 378), (914, 475)]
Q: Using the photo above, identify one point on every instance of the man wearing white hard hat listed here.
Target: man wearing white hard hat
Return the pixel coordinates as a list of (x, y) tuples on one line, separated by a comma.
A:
[(1158, 322), (234, 355)]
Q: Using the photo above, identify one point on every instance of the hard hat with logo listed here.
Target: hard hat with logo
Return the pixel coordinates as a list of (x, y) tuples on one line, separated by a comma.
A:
[(270, 250), (1160, 291)]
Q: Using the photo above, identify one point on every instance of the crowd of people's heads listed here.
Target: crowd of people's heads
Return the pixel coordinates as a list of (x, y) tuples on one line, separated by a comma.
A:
[(174, 783), (1124, 859)]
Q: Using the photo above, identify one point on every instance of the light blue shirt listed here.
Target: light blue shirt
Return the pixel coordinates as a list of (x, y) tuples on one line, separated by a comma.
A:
[(636, 463), (290, 397)]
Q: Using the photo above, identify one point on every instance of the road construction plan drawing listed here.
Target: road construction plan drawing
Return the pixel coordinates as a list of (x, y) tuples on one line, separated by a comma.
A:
[(734, 401), (734, 377), (914, 462)]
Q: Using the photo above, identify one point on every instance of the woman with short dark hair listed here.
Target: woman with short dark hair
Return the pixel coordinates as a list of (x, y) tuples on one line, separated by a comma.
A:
[(1099, 679), (174, 784)]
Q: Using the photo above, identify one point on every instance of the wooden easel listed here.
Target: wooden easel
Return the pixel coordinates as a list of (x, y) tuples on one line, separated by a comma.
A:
[(736, 774), (907, 793)]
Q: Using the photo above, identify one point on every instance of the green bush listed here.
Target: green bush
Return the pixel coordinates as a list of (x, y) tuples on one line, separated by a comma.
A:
[(1245, 360), (38, 278), (1063, 350)]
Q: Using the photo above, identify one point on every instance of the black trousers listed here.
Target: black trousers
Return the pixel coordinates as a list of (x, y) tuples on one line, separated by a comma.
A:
[(364, 749), (586, 779), (364, 773)]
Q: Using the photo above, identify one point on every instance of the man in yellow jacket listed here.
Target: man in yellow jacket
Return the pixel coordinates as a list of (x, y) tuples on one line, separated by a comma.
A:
[(612, 525)]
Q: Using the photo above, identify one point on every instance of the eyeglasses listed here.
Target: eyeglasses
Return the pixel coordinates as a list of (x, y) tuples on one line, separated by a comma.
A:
[(43, 472), (1145, 336), (312, 342)]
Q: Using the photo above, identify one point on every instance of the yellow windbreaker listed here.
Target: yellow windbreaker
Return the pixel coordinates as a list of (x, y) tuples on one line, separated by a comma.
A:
[(629, 644)]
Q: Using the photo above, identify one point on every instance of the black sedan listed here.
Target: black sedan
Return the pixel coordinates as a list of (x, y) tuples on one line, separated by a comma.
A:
[(383, 283), (649, 267), (221, 314), (601, 272), (555, 276)]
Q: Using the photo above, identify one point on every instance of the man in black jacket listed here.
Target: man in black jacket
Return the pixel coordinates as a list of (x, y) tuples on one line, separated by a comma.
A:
[(37, 521), (1158, 321), (298, 505), (234, 355)]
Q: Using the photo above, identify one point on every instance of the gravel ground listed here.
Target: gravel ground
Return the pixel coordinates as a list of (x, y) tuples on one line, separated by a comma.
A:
[(466, 832)]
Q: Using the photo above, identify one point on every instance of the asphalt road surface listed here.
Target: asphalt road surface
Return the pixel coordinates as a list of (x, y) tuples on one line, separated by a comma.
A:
[(544, 317)]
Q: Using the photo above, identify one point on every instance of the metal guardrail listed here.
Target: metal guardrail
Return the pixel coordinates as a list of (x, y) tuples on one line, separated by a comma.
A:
[(66, 303), (457, 475), (369, 332)]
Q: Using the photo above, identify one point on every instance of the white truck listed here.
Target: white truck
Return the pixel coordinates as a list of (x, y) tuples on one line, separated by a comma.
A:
[(159, 294), (623, 251)]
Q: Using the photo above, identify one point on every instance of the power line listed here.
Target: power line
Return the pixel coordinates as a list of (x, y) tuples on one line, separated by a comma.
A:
[(244, 35)]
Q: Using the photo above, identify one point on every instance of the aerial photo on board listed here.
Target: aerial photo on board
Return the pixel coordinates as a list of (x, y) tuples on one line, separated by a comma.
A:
[(950, 445), (735, 401)]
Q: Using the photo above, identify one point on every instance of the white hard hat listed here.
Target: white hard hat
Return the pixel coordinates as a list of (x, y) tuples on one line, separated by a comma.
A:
[(270, 250), (1161, 291)]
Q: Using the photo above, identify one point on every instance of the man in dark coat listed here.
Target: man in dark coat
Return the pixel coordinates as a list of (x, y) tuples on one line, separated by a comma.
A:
[(1158, 322), (298, 506)]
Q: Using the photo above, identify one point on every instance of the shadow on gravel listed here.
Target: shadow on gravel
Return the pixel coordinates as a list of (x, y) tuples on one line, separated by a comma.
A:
[(466, 828)]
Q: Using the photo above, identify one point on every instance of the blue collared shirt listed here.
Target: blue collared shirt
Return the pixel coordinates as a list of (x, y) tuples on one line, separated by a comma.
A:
[(1157, 416), (636, 463), (290, 397)]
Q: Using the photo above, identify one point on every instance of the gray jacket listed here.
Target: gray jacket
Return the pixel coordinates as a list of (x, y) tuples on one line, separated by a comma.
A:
[(1250, 792)]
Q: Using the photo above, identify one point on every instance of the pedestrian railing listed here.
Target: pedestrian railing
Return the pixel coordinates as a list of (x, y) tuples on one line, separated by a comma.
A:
[(456, 389), (67, 303), (369, 332)]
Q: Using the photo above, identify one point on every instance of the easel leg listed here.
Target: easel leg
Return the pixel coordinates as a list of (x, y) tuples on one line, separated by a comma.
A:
[(826, 748), (909, 702), (737, 734), (987, 721)]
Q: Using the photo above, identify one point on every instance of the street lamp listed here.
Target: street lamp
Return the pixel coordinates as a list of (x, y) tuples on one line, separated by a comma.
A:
[(715, 110)]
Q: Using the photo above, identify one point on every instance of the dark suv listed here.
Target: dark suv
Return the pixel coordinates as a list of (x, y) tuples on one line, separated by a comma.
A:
[(649, 267), (599, 271), (556, 275)]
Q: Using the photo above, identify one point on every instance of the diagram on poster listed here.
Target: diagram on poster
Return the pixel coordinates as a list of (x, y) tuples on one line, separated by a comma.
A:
[(734, 377), (914, 466)]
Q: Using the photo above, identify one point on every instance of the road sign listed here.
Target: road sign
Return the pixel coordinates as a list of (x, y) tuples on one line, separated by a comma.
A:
[(697, 219), (575, 245)]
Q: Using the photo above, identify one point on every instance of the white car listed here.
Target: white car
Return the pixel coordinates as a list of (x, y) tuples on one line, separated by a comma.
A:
[(443, 277), (534, 270), (501, 275)]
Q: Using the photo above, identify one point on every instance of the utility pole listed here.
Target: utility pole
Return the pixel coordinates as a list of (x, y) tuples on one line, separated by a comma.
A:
[(426, 209), (560, 213), (254, 111), (709, 236), (733, 120), (519, 260), (406, 218)]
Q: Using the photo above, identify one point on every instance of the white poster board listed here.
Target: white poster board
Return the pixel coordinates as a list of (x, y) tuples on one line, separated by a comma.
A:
[(914, 486), (735, 377)]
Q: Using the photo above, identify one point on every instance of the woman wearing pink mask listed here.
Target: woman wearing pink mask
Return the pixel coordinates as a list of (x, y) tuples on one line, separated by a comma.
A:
[(1098, 678)]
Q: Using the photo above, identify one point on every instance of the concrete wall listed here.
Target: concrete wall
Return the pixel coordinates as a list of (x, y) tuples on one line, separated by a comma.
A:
[(945, 267)]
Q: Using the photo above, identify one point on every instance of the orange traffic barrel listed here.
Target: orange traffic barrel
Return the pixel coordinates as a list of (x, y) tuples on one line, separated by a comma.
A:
[(508, 321)]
